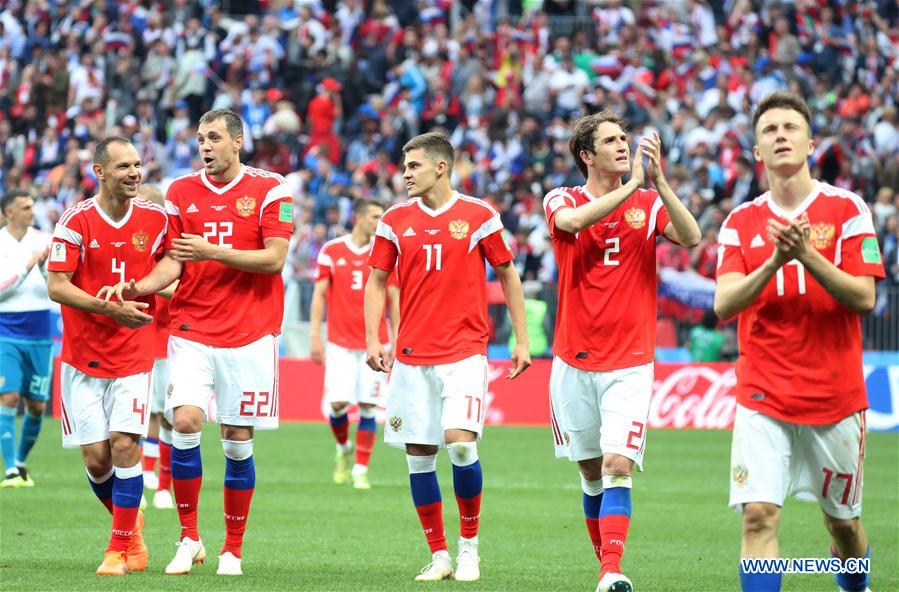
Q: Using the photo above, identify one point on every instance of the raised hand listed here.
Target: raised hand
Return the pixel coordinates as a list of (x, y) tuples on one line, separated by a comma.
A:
[(122, 291), (651, 148)]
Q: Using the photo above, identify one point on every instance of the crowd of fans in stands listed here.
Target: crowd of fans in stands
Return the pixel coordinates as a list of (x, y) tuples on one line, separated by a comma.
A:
[(331, 90)]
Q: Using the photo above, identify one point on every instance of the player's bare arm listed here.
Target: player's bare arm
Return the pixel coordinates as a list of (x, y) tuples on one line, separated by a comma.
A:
[(576, 219), (736, 291), (682, 228), (316, 316), (375, 299), (857, 293), (511, 284), (127, 313), (169, 290), (393, 320), (193, 247), (166, 271)]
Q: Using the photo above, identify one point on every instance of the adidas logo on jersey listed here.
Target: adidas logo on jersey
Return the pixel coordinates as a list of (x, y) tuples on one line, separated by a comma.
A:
[(94, 244), (409, 232), (757, 241), (192, 209)]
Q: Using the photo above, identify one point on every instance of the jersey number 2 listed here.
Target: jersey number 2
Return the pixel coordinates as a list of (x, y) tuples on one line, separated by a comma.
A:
[(611, 250)]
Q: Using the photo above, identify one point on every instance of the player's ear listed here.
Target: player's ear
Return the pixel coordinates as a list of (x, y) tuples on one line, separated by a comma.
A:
[(238, 142), (586, 157), (98, 171), (811, 146), (756, 154)]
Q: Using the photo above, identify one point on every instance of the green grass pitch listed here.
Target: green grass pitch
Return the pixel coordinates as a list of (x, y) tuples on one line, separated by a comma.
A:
[(305, 533)]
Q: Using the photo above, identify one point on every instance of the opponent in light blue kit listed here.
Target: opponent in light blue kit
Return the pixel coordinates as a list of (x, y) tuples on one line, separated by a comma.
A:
[(25, 345)]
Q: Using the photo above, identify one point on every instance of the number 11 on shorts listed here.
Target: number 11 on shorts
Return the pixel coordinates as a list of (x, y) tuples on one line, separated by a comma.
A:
[(472, 401)]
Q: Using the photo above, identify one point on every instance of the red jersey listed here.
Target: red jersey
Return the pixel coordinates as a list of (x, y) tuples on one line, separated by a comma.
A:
[(216, 304), (801, 350), (606, 317), (163, 318), (346, 267), (100, 252), (443, 281)]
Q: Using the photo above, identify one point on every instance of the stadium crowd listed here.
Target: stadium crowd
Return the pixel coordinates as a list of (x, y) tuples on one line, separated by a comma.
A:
[(331, 90)]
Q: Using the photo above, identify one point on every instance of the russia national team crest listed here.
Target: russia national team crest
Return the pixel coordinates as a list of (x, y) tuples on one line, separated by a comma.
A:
[(169, 390), (246, 205), (458, 229), (141, 241), (822, 235), (396, 423), (636, 218), (739, 475)]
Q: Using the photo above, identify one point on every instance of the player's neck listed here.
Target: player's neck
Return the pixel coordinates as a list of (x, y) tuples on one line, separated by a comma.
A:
[(359, 238), (16, 232), (789, 192), (229, 175), (115, 208), (599, 186), (438, 196)]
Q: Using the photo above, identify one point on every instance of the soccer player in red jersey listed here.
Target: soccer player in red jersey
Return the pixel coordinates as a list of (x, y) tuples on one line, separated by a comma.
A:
[(229, 227), (341, 275), (604, 237), (438, 241), (798, 265), (105, 362)]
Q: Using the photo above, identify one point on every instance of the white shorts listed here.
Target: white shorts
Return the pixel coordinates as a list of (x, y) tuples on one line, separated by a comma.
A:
[(425, 401), (599, 412), (244, 380), (349, 379), (159, 384), (92, 407), (771, 459)]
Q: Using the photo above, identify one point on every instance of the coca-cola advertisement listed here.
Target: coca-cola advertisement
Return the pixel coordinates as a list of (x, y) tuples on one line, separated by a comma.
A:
[(685, 396)]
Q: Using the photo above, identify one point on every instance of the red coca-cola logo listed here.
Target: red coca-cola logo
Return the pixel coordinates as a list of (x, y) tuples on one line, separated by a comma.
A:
[(693, 396)]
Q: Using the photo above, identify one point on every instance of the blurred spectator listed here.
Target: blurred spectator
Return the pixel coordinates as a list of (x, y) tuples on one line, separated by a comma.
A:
[(706, 341)]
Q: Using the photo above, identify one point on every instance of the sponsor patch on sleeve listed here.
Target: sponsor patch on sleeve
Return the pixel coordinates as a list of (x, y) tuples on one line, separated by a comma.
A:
[(870, 250), (58, 253), (285, 214), (556, 203)]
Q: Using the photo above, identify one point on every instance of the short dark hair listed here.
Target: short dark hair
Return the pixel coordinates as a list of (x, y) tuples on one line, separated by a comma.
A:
[(582, 136), (233, 122), (10, 197), (360, 205), (783, 100), (101, 151), (435, 145)]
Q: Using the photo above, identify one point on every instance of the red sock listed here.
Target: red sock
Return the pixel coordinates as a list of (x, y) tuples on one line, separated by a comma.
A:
[(469, 516), (341, 428), (595, 537), (149, 463), (237, 509), (431, 517), (123, 520), (365, 442), (613, 529), (165, 466), (187, 496)]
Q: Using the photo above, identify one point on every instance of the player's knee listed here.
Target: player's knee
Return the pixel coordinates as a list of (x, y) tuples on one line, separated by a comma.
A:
[(9, 399), (463, 454), (35, 408), (237, 450), (97, 467), (366, 410), (842, 530), (616, 465), (760, 518), (187, 422), (339, 406), (591, 469), (124, 446)]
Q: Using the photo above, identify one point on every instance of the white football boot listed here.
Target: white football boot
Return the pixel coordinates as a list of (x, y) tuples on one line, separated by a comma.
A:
[(440, 568), (614, 582), (189, 552), (468, 564), (162, 500), (229, 565)]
